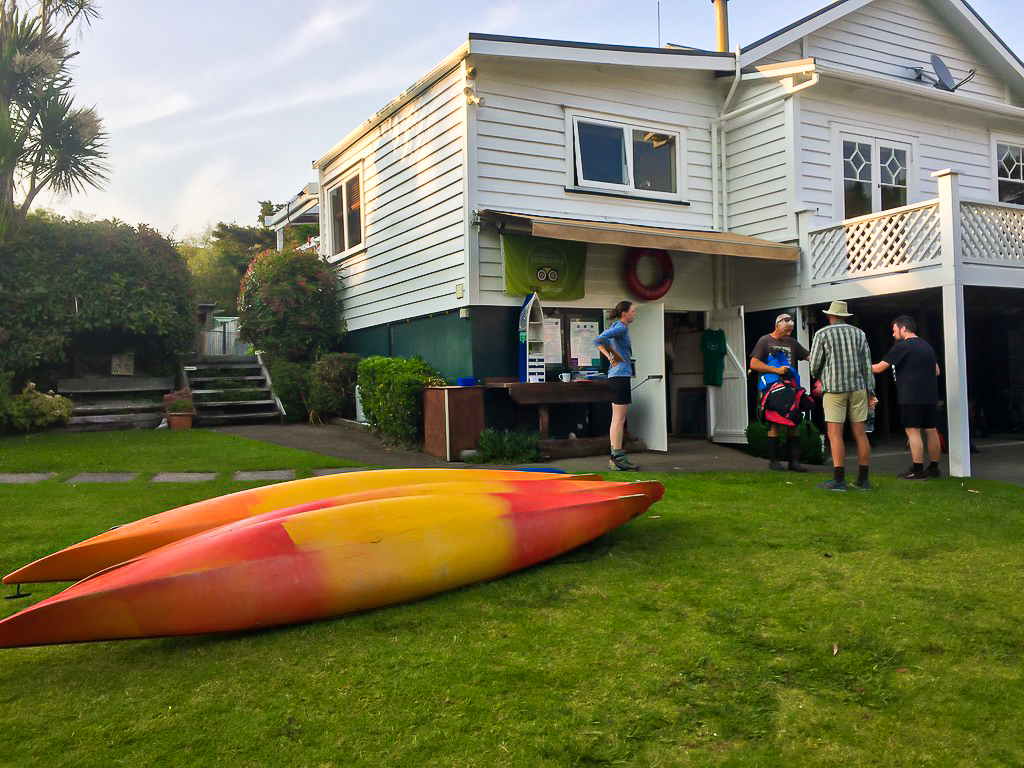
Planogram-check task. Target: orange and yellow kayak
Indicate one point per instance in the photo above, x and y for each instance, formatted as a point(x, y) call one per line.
point(128, 541)
point(284, 567)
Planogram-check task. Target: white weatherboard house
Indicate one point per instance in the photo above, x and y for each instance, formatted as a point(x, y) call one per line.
point(834, 159)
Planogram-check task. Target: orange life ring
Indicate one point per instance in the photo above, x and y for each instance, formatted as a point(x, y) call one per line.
point(659, 289)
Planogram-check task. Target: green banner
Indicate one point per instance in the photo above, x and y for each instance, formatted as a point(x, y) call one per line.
point(554, 269)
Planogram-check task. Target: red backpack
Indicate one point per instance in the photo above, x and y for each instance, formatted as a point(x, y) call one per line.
point(785, 401)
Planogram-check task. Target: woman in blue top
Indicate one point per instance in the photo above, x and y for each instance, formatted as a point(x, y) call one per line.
point(615, 344)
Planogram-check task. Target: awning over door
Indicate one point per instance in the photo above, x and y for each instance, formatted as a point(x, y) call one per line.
point(633, 236)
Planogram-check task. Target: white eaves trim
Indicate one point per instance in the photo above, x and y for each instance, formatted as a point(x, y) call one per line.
point(527, 48)
point(395, 104)
point(928, 94)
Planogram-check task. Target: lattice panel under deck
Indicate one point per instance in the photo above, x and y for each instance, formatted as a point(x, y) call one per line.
point(885, 243)
point(992, 234)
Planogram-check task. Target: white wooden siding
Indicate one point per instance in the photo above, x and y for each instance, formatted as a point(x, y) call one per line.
point(521, 151)
point(941, 142)
point(888, 37)
point(413, 193)
point(759, 174)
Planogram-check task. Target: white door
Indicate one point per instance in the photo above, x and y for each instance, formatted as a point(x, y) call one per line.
point(728, 403)
point(647, 418)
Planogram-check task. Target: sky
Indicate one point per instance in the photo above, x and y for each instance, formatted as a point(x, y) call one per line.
point(213, 105)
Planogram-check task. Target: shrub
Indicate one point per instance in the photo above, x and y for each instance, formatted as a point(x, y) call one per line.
point(33, 410)
point(503, 447)
point(391, 389)
point(67, 284)
point(332, 386)
point(179, 402)
point(289, 305)
point(290, 382)
point(811, 451)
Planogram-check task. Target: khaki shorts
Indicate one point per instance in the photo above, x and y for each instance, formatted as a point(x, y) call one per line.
point(840, 404)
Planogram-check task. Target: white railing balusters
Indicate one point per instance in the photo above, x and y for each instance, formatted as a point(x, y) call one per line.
point(993, 233)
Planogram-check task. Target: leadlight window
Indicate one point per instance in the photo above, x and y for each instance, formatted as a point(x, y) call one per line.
point(875, 176)
point(1010, 173)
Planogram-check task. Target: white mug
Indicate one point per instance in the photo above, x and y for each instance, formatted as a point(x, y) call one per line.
point(565, 376)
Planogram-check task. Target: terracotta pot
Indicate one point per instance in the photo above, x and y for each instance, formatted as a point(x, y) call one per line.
point(180, 420)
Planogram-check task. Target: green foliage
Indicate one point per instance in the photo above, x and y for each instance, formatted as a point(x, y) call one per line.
point(33, 410)
point(811, 451)
point(503, 447)
point(391, 390)
point(179, 402)
point(104, 285)
point(332, 387)
point(237, 246)
point(290, 382)
point(290, 306)
point(45, 140)
point(214, 278)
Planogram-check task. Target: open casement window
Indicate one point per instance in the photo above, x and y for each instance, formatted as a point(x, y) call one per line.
point(346, 215)
point(1010, 172)
point(627, 159)
point(876, 175)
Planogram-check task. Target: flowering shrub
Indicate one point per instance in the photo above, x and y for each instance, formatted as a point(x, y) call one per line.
point(289, 305)
point(32, 410)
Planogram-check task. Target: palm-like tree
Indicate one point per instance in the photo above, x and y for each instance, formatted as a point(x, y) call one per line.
point(45, 140)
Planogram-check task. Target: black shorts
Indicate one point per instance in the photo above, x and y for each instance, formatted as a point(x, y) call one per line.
point(917, 416)
point(620, 387)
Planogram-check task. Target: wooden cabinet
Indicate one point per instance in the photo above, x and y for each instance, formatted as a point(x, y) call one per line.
point(453, 418)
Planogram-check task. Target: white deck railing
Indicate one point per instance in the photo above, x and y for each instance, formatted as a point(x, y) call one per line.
point(992, 233)
point(897, 240)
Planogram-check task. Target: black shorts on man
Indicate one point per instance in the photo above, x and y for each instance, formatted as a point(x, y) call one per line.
point(620, 387)
point(918, 416)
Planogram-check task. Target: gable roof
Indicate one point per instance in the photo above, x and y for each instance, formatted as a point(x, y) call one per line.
point(961, 17)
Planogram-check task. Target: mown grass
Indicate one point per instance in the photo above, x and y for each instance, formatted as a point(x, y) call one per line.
point(747, 620)
point(161, 450)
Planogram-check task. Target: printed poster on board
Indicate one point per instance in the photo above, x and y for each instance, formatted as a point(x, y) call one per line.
point(553, 269)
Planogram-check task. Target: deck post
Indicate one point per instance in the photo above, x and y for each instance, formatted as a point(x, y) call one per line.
point(954, 329)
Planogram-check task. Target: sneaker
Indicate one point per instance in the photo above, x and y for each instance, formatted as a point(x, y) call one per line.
point(858, 486)
point(832, 485)
point(933, 472)
point(621, 464)
point(912, 474)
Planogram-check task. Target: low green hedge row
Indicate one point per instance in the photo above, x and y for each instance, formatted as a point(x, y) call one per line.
point(391, 391)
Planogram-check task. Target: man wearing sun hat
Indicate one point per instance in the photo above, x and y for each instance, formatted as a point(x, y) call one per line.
point(772, 356)
point(841, 359)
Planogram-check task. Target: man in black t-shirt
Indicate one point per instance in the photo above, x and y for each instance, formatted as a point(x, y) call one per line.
point(772, 355)
point(916, 369)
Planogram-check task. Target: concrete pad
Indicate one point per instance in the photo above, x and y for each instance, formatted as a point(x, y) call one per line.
point(265, 474)
point(337, 471)
point(24, 478)
point(103, 477)
point(184, 477)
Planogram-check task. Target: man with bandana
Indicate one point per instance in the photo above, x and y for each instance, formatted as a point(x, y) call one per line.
point(772, 355)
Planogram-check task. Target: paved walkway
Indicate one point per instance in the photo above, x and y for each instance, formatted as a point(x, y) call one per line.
point(998, 458)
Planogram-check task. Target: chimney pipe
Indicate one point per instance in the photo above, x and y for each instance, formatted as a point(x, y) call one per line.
point(722, 25)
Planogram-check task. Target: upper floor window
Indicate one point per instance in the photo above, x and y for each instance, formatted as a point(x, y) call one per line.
point(1010, 172)
point(346, 214)
point(627, 159)
point(876, 175)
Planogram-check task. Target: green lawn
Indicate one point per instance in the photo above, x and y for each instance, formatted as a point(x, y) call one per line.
point(747, 620)
point(150, 451)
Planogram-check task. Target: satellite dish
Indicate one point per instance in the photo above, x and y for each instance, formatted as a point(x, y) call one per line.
point(946, 81)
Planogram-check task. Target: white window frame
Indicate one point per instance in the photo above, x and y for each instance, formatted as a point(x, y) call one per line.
point(574, 159)
point(339, 188)
point(995, 141)
point(870, 135)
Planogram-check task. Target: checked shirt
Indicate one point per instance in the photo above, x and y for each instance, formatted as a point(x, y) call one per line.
point(840, 357)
